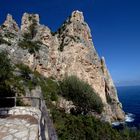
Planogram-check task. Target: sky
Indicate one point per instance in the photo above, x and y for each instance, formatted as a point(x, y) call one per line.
point(115, 28)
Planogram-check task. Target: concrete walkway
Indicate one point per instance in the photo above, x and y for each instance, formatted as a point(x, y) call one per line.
point(19, 127)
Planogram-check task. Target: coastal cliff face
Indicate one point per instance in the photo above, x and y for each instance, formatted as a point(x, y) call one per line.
point(69, 51)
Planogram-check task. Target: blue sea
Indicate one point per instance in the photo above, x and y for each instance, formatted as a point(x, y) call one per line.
point(129, 96)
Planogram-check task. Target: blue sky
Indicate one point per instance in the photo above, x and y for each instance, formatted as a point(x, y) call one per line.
point(115, 27)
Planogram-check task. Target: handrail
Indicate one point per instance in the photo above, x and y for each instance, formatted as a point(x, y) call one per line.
point(17, 97)
point(44, 114)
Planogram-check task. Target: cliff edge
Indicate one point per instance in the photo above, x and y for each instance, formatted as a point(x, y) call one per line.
point(69, 51)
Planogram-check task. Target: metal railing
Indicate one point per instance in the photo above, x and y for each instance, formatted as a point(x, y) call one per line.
point(15, 101)
point(48, 124)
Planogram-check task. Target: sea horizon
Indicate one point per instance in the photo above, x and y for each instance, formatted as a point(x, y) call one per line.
point(132, 85)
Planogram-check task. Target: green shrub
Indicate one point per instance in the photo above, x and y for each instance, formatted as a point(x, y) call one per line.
point(81, 93)
point(30, 81)
point(30, 45)
point(80, 127)
point(7, 78)
point(5, 67)
point(8, 35)
point(27, 43)
point(25, 70)
point(49, 88)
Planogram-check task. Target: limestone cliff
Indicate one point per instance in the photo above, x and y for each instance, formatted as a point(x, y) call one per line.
point(69, 51)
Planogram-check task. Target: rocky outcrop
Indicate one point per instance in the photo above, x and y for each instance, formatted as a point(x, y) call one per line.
point(70, 51)
point(10, 24)
point(65, 105)
point(28, 23)
point(114, 107)
point(9, 31)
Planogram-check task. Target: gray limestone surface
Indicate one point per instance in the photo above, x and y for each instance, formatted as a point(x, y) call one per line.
point(20, 127)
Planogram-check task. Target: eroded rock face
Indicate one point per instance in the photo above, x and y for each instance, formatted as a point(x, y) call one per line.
point(9, 30)
point(44, 35)
point(27, 21)
point(69, 52)
point(10, 24)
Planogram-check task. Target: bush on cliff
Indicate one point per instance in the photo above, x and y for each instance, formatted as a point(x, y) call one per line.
point(5, 67)
point(3, 41)
point(27, 42)
point(5, 76)
point(30, 45)
point(81, 93)
point(81, 127)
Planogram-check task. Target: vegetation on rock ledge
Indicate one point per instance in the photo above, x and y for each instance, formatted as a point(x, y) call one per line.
point(82, 95)
point(81, 127)
point(30, 45)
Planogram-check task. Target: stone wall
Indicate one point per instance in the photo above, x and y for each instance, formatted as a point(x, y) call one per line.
point(31, 111)
point(34, 112)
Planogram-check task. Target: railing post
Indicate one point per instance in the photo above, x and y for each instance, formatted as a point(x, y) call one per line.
point(15, 99)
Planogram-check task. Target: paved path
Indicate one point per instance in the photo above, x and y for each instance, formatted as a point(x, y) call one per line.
point(19, 127)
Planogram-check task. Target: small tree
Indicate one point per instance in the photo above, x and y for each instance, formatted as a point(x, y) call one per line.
point(5, 67)
point(30, 45)
point(5, 76)
point(82, 94)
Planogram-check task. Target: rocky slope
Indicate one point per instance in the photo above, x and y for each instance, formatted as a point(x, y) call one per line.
point(69, 51)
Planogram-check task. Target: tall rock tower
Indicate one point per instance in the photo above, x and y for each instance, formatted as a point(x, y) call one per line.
point(70, 51)
point(79, 57)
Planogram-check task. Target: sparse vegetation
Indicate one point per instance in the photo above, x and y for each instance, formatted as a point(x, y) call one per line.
point(49, 86)
point(9, 35)
point(9, 83)
point(6, 36)
point(27, 42)
point(72, 38)
point(61, 47)
point(30, 45)
point(5, 76)
point(32, 29)
point(5, 67)
point(3, 41)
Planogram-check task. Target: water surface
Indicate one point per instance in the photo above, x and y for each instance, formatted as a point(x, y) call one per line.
point(129, 96)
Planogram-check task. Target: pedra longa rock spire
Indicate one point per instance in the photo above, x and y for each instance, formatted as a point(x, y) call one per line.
point(69, 51)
